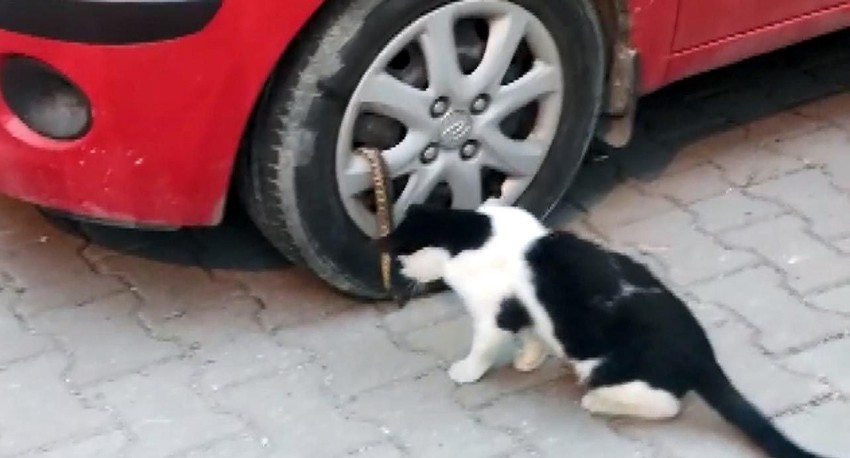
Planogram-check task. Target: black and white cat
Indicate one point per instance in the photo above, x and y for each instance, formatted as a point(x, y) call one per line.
point(633, 343)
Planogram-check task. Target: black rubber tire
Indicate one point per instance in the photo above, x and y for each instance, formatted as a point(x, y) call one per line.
point(287, 173)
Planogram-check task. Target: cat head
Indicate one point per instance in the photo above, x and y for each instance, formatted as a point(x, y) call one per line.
point(428, 237)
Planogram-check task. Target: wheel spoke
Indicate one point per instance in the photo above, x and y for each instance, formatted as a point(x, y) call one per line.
point(514, 157)
point(506, 33)
point(541, 80)
point(464, 180)
point(419, 187)
point(400, 159)
point(440, 49)
point(386, 95)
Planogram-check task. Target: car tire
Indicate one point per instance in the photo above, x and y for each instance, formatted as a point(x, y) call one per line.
point(287, 174)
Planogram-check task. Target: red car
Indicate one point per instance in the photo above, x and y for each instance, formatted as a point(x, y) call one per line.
point(146, 112)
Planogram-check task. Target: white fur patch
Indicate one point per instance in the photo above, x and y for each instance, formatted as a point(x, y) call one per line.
point(634, 399)
point(584, 368)
point(425, 265)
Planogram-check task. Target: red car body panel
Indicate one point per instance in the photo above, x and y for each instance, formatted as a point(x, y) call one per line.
point(168, 116)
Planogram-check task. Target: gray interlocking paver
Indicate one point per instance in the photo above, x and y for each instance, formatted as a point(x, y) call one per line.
point(696, 184)
point(835, 109)
point(241, 447)
point(688, 254)
point(168, 290)
point(732, 209)
point(106, 338)
point(624, 205)
point(824, 361)
point(37, 408)
point(107, 445)
point(424, 418)
point(821, 429)
point(783, 319)
point(351, 342)
point(17, 342)
point(836, 300)
point(162, 411)
point(297, 417)
point(809, 263)
point(810, 194)
point(550, 418)
point(828, 149)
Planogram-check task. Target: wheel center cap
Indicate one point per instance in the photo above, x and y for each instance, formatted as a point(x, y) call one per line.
point(455, 128)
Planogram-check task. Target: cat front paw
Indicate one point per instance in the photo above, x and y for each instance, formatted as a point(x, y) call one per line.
point(463, 372)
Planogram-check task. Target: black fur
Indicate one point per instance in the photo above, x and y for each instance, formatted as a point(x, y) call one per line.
point(644, 333)
point(513, 316)
point(606, 305)
point(425, 226)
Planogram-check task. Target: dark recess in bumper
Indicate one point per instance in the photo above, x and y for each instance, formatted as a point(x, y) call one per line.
point(108, 22)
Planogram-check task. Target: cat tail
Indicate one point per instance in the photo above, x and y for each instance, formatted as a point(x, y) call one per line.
point(717, 390)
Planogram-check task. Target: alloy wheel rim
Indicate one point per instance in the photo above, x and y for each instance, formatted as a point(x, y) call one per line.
point(465, 103)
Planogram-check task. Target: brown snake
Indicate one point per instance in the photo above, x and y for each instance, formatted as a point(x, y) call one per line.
point(383, 203)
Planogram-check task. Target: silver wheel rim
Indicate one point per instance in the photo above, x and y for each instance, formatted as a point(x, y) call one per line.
point(454, 137)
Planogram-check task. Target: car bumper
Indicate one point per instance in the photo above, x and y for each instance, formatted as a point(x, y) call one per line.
point(167, 111)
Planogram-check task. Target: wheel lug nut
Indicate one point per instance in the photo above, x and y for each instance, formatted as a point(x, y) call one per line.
point(439, 107)
point(429, 154)
point(480, 104)
point(469, 150)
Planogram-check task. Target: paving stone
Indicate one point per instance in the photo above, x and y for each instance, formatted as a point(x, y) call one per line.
point(843, 245)
point(246, 357)
point(37, 409)
point(783, 320)
point(828, 149)
point(624, 205)
point(506, 380)
point(768, 384)
point(781, 127)
point(423, 312)
point(162, 410)
point(698, 183)
point(810, 194)
point(378, 451)
point(297, 416)
point(551, 419)
point(447, 341)
point(215, 324)
point(698, 432)
point(169, 290)
point(809, 263)
point(17, 343)
point(53, 275)
point(347, 343)
point(106, 338)
point(688, 254)
point(836, 300)
point(703, 150)
point(421, 414)
point(822, 429)
point(821, 361)
point(835, 109)
point(732, 209)
point(749, 164)
point(242, 447)
point(107, 445)
point(291, 296)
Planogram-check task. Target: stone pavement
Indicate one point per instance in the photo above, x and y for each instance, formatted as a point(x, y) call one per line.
point(206, 344)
